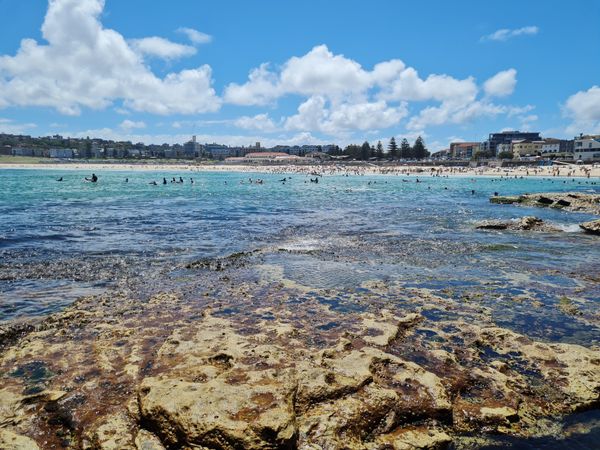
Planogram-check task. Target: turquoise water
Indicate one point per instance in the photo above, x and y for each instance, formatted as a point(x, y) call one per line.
point(61, 240)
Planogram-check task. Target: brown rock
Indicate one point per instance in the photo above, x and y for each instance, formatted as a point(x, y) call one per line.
point(592, 227)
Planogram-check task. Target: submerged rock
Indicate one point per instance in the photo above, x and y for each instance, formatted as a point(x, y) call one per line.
point(592, 227)
point(527, 223)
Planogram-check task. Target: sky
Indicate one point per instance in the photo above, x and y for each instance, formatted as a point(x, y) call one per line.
point(299, 72)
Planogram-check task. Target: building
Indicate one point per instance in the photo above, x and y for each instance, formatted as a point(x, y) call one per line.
point(504, 149)
point(219, 151)
point(587, 148)
point(18, 151)
point(62, 153)
point(506, 137)
point(557, 148)
point(464, 150)
point(192, 149)
point(526, 147)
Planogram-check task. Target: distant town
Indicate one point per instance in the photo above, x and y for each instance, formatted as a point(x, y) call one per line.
point(513, 146)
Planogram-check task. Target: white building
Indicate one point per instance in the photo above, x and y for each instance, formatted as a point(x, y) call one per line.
point(587, 148)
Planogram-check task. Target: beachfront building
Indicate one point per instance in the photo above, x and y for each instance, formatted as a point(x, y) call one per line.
point(506, 137)
point(526, 147)
point(587, 148)
point(557, 148)
point(464, 150)
point(504, 148)
point(62, 153)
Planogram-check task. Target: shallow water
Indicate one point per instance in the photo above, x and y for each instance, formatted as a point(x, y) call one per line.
point(60, 240)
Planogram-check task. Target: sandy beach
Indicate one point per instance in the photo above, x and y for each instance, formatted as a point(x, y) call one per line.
point(567, 170)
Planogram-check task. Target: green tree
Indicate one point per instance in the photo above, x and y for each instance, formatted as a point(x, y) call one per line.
point(379, 150)
point(419, 149)
point(405, 149)
point(365, 153)
point(505, 155)
point(393, 148)
point(353, 150)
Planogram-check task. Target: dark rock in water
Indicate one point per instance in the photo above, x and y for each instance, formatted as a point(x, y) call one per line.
point(492, 225)
point(545, 200)
point(504, 200)
point(527, 223)
point(593, 226)
point(561, 202)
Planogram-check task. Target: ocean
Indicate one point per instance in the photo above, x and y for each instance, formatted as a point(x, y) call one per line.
point(318, 257)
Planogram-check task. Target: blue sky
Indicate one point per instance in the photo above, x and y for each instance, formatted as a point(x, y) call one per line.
point(298, 72)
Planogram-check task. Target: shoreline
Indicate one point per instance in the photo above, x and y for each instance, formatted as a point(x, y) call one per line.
point(572, 171)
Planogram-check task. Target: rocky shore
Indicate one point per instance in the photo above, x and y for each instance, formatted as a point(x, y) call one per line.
point(114, 372)
point(568, 201)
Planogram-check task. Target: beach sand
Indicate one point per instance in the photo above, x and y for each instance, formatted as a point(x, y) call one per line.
point(567, 170)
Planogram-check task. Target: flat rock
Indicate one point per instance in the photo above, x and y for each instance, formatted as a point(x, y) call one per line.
point(569, 201)
point(10, 440)
point(527, 223)
point(592, 227)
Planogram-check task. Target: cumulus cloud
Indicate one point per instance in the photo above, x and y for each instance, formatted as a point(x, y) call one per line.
point(259, 122)
point(86, 65)
point(501, 84)
point(9, 126)
point(338, 119)
point(460, 114)
point(584, 108)
point(195, 36)
point(161, 48)
point(130, 124)
point(505, 34)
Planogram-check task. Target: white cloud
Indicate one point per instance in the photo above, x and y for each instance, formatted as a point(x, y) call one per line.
point(84, 65)
point(231, 140)
point(462, 113)
point(195, 36)
point(501, 84)
point(339, 119)
point(261, 88)
point(161, 48)
point(584, 108)
point(505, 34)
point(130, 124)
point(260, 122)
point(8, 126)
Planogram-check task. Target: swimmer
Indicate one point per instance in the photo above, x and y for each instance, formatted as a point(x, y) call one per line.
point(94, 178)
point(60, 179)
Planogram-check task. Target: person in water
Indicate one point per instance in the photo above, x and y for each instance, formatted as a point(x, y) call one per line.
point(94, 178)
point(164, 180)
point(60, 179)
point(153, 183)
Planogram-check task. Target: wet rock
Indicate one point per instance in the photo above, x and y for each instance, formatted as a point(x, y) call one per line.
point(592, 227)
point(527, 223)
point(504, 200)
point(569, 201)
point(10, 440)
